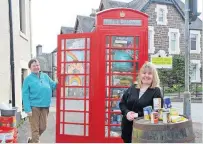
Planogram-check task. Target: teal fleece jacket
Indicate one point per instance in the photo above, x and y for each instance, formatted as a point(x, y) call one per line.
point(37, 91)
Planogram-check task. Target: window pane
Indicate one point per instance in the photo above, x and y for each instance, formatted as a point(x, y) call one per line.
point(75, 43)
point(194, 36)
point(76, 105)
point(194, 72)
point(193, 39)
point(122, 42)
point(149, 39)
point(193, 45)
point(161, 15)
point(75, 68)
point(137, 41)
point(122, 66)
point(61, 128)
point(74, 117)
point(76, 92)
point(161, 19)
point(75, 56)
point(71, 129)
point(173, 45)
point(173, 36)
point(122, 80)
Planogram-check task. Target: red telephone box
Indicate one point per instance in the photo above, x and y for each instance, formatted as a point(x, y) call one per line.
point(93, 71)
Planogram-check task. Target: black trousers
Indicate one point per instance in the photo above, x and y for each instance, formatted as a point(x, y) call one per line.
point(126, 127)
point(127, 140)
point(127, 134)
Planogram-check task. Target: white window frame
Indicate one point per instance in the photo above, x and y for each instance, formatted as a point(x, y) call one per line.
point(198, 49)
point(157, 10)
point(151, 41)
point(177, 49)
point(198, 64)
point(22, 16)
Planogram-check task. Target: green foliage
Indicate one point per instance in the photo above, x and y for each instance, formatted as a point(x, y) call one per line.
point(175, 77)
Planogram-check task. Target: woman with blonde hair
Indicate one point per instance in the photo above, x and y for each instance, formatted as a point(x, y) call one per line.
point(137, 97)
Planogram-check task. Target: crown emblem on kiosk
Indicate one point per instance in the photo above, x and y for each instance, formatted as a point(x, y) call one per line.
point(122, 14)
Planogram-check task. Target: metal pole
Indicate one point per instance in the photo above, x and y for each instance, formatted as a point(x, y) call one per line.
point(187, 95)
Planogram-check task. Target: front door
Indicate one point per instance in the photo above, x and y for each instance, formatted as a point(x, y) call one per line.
point(73, 91)
point(121, 56)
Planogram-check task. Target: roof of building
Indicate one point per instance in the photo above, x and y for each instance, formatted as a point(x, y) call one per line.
point(66, 30)
point(45, 62)
point(142, 5)
point(84, 24)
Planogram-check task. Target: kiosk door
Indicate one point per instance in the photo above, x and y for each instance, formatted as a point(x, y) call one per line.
point(122, 55)
point(73, 92)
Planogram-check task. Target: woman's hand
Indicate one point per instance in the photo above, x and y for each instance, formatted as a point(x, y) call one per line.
point(131, 115)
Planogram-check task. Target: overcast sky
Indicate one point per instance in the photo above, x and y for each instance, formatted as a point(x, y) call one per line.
point(49, 15)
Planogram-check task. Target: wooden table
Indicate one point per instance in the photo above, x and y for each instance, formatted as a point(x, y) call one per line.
point(146, 132)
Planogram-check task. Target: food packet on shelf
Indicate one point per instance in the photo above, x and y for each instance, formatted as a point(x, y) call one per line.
point(183, 119)
point(173, 112)
point(176, 119)
point(160, 111)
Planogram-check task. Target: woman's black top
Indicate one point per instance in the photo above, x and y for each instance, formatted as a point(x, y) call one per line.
point(131, 102)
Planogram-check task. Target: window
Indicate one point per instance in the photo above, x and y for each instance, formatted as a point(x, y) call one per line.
point(161, 15)
point(193, 38)
point(195, 41)
point(195, 71)
point(151, 47)
point(174, 41)
point(22, 15)
point(161, 11)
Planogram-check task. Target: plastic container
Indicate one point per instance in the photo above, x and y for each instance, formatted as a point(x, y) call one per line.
point(8, 134)
point(15, 140)
point(9, 113)
point(7, 121)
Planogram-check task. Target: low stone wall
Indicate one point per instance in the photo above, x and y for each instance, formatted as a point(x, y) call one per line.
point(193, 100)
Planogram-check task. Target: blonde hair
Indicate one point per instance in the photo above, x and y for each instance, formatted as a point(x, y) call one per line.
point(155, 81)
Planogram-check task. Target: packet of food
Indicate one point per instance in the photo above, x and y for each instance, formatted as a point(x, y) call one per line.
point(173, 112)
point(160, 114)
point(175, 119)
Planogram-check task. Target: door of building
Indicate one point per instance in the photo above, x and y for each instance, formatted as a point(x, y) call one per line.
point(120, 56)
point(73, 112)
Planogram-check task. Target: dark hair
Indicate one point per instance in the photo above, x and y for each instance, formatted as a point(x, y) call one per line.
point(31, 62)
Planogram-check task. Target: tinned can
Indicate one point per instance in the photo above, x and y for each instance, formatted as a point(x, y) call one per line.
point(146, 115)
point(166, 117)
point(154, 117)
point(147, 111)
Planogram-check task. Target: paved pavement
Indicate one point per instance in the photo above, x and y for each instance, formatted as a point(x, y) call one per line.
point(49, 134)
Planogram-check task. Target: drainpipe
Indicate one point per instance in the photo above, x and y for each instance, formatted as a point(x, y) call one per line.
point(30, 21)
point(12, 66)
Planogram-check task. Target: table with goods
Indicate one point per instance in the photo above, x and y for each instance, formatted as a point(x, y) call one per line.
point(162, 125)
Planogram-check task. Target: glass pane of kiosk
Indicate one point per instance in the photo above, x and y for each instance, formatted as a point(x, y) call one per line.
point(74, 105)
point(122, 61)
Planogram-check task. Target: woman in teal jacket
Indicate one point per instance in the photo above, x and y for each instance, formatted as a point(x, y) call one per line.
point(37, 93)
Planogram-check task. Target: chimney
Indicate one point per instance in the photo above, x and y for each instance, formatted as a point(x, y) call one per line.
point(38, 50)
point(93, 14)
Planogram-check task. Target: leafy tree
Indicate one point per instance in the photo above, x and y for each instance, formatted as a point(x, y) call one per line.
point(174, 77)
